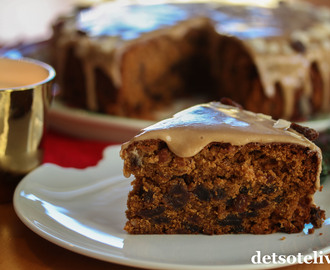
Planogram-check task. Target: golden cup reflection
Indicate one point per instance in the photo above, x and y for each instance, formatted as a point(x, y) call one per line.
point(25, 97)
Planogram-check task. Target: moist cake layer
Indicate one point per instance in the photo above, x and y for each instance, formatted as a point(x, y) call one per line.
point(255, 188)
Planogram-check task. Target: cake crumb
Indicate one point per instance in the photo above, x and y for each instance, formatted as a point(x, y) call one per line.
point(283, 238)
point(311, 231)
point(320, 234)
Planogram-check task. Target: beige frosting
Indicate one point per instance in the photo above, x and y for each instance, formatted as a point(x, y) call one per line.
point(189, 131)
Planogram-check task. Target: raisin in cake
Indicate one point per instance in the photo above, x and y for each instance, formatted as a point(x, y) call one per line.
point(132, 60)
point(219, 169)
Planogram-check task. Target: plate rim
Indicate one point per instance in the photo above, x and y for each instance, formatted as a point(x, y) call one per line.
point(63, 117)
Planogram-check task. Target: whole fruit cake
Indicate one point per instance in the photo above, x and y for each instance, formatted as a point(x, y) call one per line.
point(136, 59)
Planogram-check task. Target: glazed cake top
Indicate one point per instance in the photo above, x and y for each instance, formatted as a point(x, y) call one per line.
point(190, 130)
point(130, 21)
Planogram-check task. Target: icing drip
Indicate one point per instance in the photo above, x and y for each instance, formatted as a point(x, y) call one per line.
point(189, 131)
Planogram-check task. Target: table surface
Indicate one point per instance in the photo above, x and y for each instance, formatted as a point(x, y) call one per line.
point(20, 248)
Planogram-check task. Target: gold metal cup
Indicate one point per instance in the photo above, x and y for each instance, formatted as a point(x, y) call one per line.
point(25, 97)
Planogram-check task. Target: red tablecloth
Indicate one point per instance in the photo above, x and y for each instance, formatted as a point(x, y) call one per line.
point(67, 151)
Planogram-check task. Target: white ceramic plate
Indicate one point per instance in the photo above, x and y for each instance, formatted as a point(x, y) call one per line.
point(89, 125)
point(84, 211)
point(84, 124)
